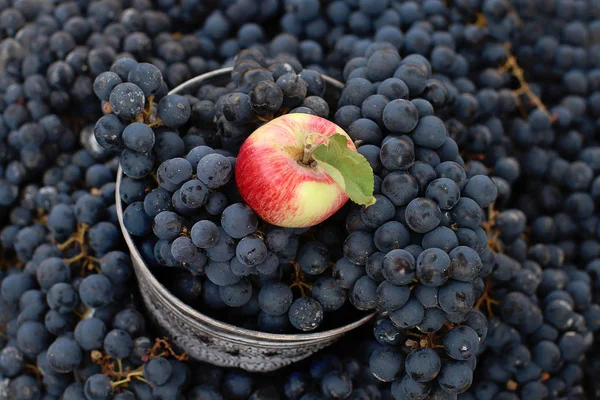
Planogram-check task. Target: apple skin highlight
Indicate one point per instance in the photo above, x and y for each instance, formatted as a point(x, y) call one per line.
point(276, 184)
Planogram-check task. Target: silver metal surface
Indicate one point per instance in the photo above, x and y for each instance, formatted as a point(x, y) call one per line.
point(207, 339)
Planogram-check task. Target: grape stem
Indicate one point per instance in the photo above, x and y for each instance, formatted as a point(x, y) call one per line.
point(298, 280)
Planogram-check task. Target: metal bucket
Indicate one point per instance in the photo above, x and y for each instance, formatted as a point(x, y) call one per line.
point(209, 340)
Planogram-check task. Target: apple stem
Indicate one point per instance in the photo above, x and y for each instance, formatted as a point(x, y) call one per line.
point(307, 155)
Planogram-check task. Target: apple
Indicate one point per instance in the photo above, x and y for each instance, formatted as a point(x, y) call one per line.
point(278, 178)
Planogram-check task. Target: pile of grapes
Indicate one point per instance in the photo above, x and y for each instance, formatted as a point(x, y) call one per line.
point(474, 241)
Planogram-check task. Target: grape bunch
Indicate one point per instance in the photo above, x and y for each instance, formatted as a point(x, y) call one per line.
point(547, 317)
point(422, 245)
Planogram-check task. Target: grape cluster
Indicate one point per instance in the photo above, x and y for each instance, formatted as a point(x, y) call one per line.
point(422, 245)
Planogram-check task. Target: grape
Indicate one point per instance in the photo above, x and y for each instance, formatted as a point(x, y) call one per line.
point(214, 170)
point(237, 294)
point(251, 251)
point(455, 377)
point(238, 220)
point(96, 291)
point(456, 297)
point(168, 225)
point(409, 315)
point(24, 387)
point(433, 267)
point(423, 365)
point(62, 297)
point(313, 258)
point(266, 98)
point(445, 192)
point(306, 314)
point(220, 273)
point(147, 76)
point(205, 234)
point(398, 267)
point(481, 189)
point(90, 333)
point(32, 338)
point(174, 110)
point(441, 237)
point(118, 344)
point(391, 235)
point(364, 294)
point(277, 240)
point(51, 271)
point(136, 221)
point(400, 188)
point(127, 100)
point(224, 249)
point(397, 154)
point(275, 298)
point(116, 265)
point(430, 132)
point(400, 116)
point(391, 297)
point(138, 137)
point(432, 321)
point(386, 364)
point(329, 293)
point(461, 343)
point(358, 246)
point(346, 273)
point(98, 387)
point(157, 371)
point(336, 385)
point(173, 173)
point(12, 361)
point(465, 264)
point(64, 355)
point(105, 83)
point(422, 215)
point(378, 213)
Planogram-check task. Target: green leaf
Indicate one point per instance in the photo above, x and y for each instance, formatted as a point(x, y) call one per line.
point(348, 168)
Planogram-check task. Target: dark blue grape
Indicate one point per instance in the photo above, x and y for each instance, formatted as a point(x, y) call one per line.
point(433, 267)
point(306, 314)
point(98, 387)
point(423, 365)
point(90, 333)
point(62, 297)
point(455, 377)
point(96, 291)
point(127, 100)
point(465, 264)
point(409, 315)
point(238, 220)
point(174, 110)
point(275, 298)
point(444, 192)
point(157, 371)
point(138, 137)
point(313, 258)
point(461, 343)
point(329, 293)
point(392, 297)
point(386, 364)
point(147, 77)
point(399, 267)
point(64, 355)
